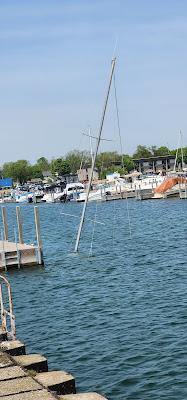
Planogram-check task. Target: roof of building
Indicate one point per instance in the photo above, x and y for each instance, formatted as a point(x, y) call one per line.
point(154, 158)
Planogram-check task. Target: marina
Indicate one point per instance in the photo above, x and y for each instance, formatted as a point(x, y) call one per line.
point(134, 289)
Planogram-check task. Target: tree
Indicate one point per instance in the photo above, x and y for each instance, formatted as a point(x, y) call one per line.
point(59, 167)
point(162, 151)
point(107, 158)
point(77, 158)
point(19, 170)
point(128, 162)
point(43, 164)
point(142, 152)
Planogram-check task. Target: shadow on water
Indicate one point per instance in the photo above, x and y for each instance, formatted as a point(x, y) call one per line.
point(115, 313)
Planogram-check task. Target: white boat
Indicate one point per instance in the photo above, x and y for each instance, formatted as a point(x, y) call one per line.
point(71, 191)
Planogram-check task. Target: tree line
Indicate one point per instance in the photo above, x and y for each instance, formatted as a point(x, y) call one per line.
point(22, 170)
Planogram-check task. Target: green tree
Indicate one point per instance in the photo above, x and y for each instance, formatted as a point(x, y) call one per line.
point(142, 152)
point(77, 158)
point(59, 167)
point(19, 170)
point(43, 164)
point(162, 151)
point(107, 158)
point(128, 162)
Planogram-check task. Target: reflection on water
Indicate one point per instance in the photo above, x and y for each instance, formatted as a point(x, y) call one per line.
point(116, 320)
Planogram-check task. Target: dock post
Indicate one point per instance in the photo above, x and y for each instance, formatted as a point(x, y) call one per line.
point(19, 223)
point(38, 235)
point(5, 226)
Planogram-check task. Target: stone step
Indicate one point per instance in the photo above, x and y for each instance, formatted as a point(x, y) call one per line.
point(5, 360)
point(18, 385)
point(11, 373)
point(13, 347)
point(59, 381)
point(36, 362)
point(83, 396)
point(3, 335)
point(33, 395)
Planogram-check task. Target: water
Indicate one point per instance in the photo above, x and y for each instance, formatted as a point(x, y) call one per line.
point(116, 320)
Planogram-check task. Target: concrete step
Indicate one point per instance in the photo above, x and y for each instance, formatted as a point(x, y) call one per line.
point(13, 347)
point(11, 373)
point(18, 385)
point(3, 335)
point(5, 360)
point(59, 381)
point(83, 396)
point(33, 395)
point(36, 362)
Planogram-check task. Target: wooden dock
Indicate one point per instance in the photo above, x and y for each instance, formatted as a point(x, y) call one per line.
point(18, 254)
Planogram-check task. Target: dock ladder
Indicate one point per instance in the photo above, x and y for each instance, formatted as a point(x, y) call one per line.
point(7, 316)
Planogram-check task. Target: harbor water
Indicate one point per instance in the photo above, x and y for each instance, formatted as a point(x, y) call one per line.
point(114, 315)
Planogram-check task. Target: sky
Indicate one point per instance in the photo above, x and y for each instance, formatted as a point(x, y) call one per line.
point(54, 70)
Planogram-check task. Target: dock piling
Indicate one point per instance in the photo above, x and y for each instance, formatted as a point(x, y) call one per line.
point(19, 223)
point(5, 225)
point(38, 234)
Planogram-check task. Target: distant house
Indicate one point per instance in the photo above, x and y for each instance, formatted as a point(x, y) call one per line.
point(84, 174)
point(155, 164)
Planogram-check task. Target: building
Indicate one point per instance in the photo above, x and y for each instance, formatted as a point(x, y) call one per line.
point(84, 174)
point(155, 164)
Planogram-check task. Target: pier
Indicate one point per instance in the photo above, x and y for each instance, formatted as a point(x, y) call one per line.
point(19, 254)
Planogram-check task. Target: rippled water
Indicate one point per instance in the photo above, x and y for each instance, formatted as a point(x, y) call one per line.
point(117, 320)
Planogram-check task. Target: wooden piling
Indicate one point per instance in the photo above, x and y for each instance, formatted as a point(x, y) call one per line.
point(19, 223)
point(38, 234)
point(5, 225)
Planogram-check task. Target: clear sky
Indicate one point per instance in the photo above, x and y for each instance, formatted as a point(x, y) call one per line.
point(54, 67)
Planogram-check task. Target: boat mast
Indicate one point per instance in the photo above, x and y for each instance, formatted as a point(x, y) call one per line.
point(94, 159)
point(182, 155)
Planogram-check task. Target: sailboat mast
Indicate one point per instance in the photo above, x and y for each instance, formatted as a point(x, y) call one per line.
point(182, 155)
point(94, 159)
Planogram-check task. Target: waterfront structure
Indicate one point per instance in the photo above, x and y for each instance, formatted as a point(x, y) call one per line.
point(155, 164)
point(17, 253)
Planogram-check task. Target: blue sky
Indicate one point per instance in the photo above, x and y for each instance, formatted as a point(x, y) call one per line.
point(55, 62)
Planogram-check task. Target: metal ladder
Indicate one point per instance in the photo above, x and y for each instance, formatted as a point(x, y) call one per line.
point(7, 313)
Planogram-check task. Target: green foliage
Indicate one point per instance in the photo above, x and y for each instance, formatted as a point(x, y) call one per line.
point(145, 152)
point(77, 158)
point(161, 151)
point(142, 152)
point(106, 159)
point(59, 167)
point(19, 170)
point(43, 164)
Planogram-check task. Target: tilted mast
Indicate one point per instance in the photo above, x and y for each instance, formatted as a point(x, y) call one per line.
point(94, 159)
